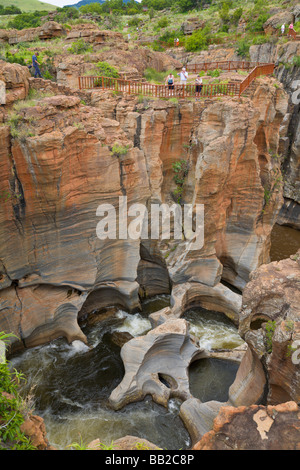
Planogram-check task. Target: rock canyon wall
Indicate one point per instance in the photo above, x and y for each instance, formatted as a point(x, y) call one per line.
point(59, 163)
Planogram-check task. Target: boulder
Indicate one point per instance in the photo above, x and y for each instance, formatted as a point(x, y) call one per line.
point(34, 428)
point(274, 22)
point(254, 428)
point(16, 80)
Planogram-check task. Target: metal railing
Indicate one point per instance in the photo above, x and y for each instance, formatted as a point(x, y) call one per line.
point(258, 71)
point(157, 91)
point(230, 65)
point(292, 33)
point(183, 91)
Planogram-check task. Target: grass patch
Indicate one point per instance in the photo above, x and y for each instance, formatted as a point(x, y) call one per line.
point(80, 47)
point(29, 5)
point(153, 76)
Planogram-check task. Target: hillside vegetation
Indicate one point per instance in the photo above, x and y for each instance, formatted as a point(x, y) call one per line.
point(28, 5)
point(156, 23)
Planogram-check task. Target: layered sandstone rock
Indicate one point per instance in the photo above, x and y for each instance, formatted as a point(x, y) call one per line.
point(48, 30)
point(16, 80)
point(60, 166)
point(91, 33)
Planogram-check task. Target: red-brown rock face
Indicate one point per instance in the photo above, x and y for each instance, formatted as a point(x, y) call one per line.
point(62, 164)
point(254, 428)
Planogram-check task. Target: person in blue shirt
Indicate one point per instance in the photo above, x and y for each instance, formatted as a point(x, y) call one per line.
point(35, 64)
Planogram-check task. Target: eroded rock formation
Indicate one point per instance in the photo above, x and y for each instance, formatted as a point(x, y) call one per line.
point(157, 364)
point(16, 82)
point(269, 322)
point(254, 428)
point(49, 30)
point(59, 166)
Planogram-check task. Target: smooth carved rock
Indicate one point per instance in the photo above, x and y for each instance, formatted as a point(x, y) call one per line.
point(269, 323)
point(218, 298)
point(254, 428)
point(151, 361)
point(290, 214)
point(40, 314)
point(198, 417)
point(249, 384)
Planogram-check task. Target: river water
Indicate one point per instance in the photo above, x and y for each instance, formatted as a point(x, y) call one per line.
point(71, 383)
point(285, 241)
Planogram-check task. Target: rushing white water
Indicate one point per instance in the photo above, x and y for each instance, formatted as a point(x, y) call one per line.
point(72, 383)
point(213, 330)
point(135, 324)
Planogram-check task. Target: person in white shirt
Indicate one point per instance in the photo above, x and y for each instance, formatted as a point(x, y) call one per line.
point(282, 29)
point(183, 76)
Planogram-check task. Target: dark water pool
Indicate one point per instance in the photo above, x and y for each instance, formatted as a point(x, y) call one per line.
point(71, 385)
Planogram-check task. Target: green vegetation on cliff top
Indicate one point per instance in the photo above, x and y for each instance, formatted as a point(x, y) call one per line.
point(28, 5)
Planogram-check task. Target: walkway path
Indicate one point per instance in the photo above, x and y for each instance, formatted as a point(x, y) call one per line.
point(184, 91)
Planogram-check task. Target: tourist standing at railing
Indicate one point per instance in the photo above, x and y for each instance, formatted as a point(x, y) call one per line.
point(170, 83)
point(199, 86)
point(183, 76)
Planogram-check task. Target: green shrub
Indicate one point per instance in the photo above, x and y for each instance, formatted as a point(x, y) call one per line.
point(236, 15)
point(10, 10)
point(296, 60)
point(119, 150)
point(242, 48)
point(107, 70)
point(156, 46)
point(257, 23)
point(135, 21)
point(214, 73)
point(11, 409)
point(180, 169)
point(196, 41)
point(169, 36)
point(270, 329)
point(260, 39)
point(80, 47)
point(163, 22)
point(63, 15)
point(47, 75)
point(26, 20)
